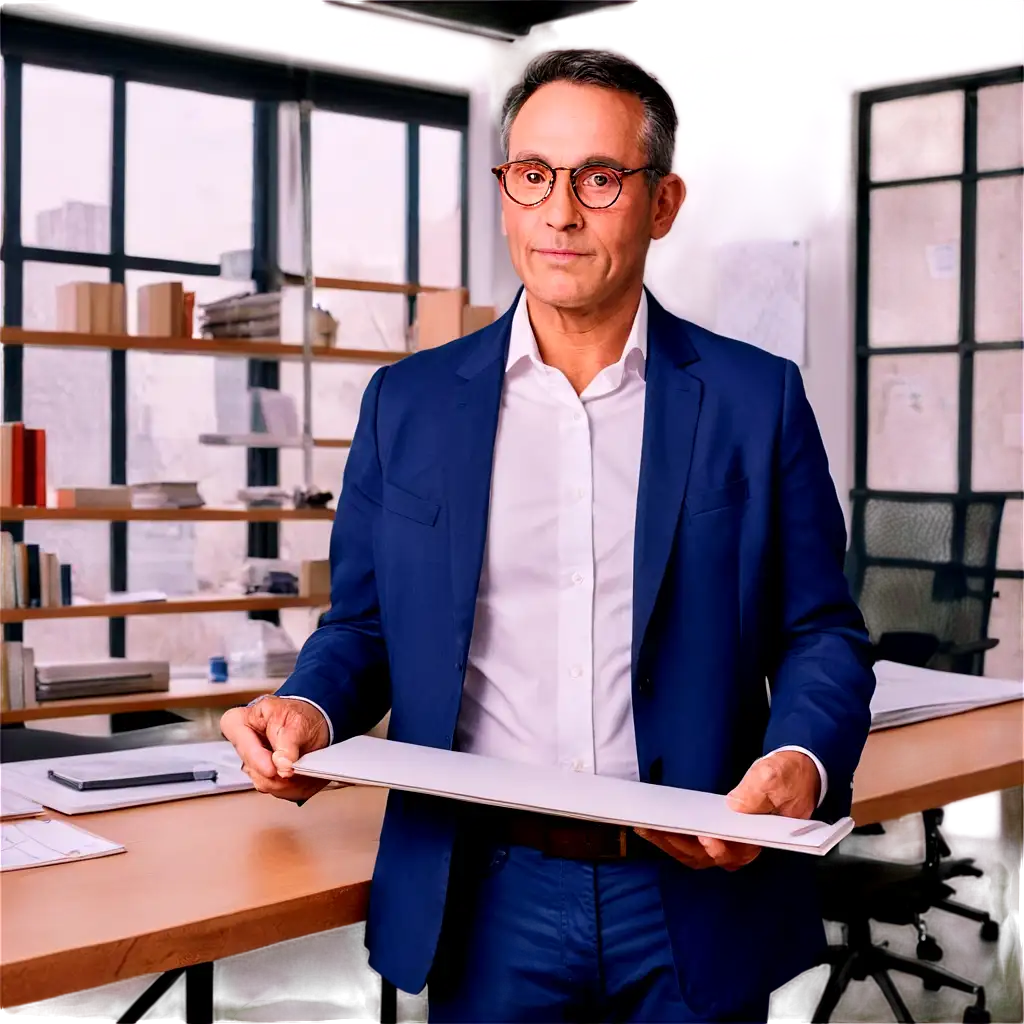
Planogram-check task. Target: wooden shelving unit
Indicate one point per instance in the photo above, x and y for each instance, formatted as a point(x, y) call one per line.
point(21, 514)
point(172, 606)
point(241, 347)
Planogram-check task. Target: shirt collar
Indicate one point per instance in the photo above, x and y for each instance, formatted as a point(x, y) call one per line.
point(522, 343)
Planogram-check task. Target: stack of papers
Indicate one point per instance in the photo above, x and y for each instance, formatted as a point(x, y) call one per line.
point(13, 806)
point(166, 494)
point(905, 694)
point(31, 778)
point(31, 844)
point(484, 780)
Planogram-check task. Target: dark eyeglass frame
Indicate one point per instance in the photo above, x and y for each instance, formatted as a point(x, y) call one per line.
point(621, 174)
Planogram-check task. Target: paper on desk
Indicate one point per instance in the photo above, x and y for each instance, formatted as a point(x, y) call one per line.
point(30, 844)
point(485, 780)
point(28, 778)
point(905, 694)
point(12, 805)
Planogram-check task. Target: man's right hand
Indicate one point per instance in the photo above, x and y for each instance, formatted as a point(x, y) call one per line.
point(269, 737)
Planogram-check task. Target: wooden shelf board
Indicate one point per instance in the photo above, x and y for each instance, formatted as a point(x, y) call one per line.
point(242, 347)
point(172, 606)
point(184, 693)
point(269, 441)
point(18, 514)
point(348, 284)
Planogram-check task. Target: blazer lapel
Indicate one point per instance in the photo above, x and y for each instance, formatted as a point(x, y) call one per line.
point(473, 424)
point(671, 410)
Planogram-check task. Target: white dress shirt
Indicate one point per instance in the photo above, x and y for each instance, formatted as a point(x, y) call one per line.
point(548, 679)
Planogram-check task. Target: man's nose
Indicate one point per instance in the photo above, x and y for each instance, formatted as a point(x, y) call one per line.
point(561, 207)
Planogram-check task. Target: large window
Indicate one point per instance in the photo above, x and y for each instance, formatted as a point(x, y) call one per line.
point(135, 162)
point(939, 311)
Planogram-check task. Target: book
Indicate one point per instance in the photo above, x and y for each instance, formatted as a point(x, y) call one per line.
point(5, 679)
point(14, 659)
point(34, 590)
point(28, 677)
point(65, 585)
point(94, 497)
point(21, 574)
point(12, 463)
point(8, 588)
point(6, 465)
point(53, 568)
point(34, 470)
point(471, 778)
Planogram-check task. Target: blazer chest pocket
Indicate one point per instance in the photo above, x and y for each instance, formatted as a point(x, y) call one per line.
point(402, 503)
point(712, 499)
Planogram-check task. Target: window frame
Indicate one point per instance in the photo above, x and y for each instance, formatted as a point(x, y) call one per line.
point(31, 41)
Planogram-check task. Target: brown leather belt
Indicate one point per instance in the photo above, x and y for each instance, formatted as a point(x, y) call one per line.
point(568, 838)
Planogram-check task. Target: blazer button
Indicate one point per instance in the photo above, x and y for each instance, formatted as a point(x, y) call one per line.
point(645, 686)
point(656, 771)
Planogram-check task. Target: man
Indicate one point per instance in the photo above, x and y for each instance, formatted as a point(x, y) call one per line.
point(585, 536)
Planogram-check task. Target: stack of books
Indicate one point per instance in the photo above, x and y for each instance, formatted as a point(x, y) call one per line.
point(22, 465)
point(30, 577)
point(112, 676)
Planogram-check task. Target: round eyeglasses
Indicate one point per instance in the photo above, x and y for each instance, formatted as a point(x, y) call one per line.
point(596, 186)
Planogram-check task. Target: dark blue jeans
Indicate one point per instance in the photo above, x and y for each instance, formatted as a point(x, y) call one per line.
point(532, 938)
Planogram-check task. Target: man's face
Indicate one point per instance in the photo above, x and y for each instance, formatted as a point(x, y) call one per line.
point(567, 255)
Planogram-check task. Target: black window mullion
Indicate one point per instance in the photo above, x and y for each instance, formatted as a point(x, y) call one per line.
point(412, 211)
point(13, 270)
point(118, 361)
point(263, 464)
point(464, 203)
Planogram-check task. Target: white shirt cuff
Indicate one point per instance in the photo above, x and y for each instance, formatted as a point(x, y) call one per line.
point(822, 774)
point(330, 728)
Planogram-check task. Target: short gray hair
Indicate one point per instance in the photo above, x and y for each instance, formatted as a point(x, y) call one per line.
point(611, 71)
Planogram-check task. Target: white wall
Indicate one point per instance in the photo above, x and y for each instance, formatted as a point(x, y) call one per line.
point(766, 96)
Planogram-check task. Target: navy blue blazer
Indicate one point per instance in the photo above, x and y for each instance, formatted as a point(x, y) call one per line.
point(738, 579)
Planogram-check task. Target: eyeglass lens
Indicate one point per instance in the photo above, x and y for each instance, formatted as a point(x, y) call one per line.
point(595, 186)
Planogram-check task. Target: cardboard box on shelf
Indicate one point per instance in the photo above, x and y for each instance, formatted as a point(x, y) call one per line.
point(475, 317)
point(315, 578)
point(161, 310)
point(90, 307)
point(439, 317)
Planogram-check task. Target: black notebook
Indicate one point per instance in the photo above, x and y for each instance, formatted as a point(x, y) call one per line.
point(125, 774)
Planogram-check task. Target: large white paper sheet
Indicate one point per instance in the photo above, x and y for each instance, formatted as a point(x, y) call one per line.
point(31, 844)
point(905, 694)
point(762, 296)
point(485, 780)
point(28, 778)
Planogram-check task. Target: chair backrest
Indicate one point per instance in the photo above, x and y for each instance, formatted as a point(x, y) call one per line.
point(926, 566)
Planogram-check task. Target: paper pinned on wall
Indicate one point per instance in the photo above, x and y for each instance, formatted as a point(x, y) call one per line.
point(943, 260)
point(762, 296)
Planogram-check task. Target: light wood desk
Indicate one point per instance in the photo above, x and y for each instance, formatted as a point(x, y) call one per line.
point(201, 879)
point(212, 877)
point(930, 764)
point(184, 693)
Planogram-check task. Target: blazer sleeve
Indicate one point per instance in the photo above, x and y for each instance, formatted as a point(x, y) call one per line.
point(343, 666)
point(819, 670)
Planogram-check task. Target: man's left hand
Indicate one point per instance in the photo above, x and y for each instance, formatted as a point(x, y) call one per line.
point(786, 782)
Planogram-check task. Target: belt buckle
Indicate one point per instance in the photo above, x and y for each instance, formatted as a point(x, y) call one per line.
point(614, 850)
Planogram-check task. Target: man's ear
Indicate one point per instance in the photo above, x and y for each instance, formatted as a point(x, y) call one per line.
point(669, 196)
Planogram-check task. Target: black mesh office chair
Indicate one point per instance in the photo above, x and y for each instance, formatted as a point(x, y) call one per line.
point(922, 572)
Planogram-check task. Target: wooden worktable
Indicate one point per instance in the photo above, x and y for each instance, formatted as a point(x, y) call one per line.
point(184, 693)
point(208, 878)
point(201, 879)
